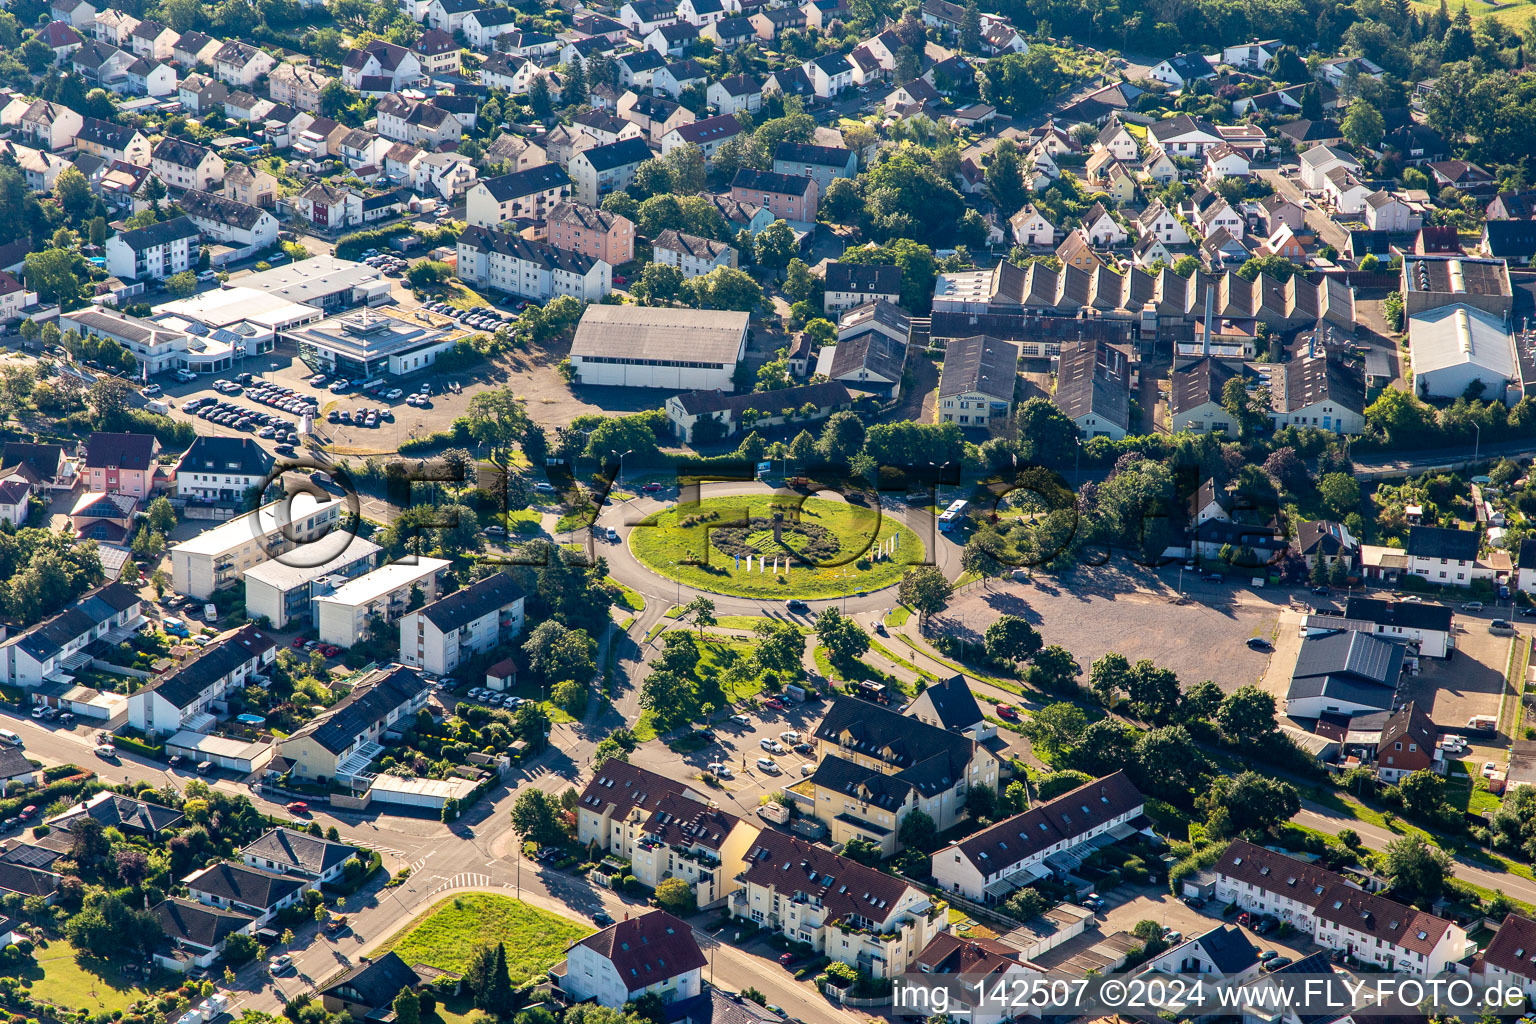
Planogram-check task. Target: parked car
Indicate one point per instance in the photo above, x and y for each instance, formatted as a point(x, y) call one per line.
point(741, 719)
point(280, 963)
point(1258, 643)
point(602, 919)
point(1472, 606)
point(298, 807)
point(765, 764)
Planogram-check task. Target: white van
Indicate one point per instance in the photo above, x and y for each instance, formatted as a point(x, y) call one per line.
point(6, 736)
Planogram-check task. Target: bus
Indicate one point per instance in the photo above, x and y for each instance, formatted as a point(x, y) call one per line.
point(953, 516)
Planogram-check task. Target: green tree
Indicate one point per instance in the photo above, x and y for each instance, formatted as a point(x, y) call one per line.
point(1340, 492)
point(1423, 792)
point(925, 590)
point(1109, 676)
point(970, 28)
point(660, 283)
point(1011, 639)
point(918, 831)
point(1005, 179)
point(1250, 802)
point(703, 611)
point(776, 245)
point(536, 818)
point(1054, 669)
point(73, 193)
point(844, 639)
point(676, 896)
point(1416, 869)
point(1247, 714)
point(1056, 730)
point(1203, 700)
point(558, 653)
point(181, 285)
point(1363, 126)
point(407, 1006)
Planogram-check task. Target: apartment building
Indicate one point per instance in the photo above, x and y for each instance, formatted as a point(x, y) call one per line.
point(342, 616)
point(869, 920)
point(529, 194)
point(216, 558)
point(181, 164)
point(509, 263)
point(601, 170)
point(155, 251)
point(664, 830)
point(437, 637)
point(1012, 853)
point(1337, 913)
point(877, 766)
point(690, 254)
point(184, 698)
point(283, 593)
point(45, 652)
point(344, 739)
point(600, 234)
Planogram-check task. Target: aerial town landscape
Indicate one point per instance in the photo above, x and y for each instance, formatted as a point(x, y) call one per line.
point(766, 512)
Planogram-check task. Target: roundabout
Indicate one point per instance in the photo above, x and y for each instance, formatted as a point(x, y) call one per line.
point(775, 546)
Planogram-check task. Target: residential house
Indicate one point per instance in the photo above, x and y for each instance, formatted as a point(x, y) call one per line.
point(1182, 70)
point(259, 894)
point(230, 221)
point(417, 122)
point(1318, 391)
point(240, 65)
point(654, 954)
point(596, 172)
point(442, 634)
point(37, 654)
point(132, 817)
point(730, 412)
point(118, 463)
point(482, 25)
point(251, 187)
point(676, 78)
point(298, 85)
point(193, 49)
point(369, 989)
point(49, 126)
point(149, 38)
point(182, 165)
point(195, 934)
point(768, 23)
point(200, 94)
point(287, 851)
point(437, 53)
point(822, 164)
point(217, 468)
point(709, 134)
point(736, 94)
point(396, 65)
point(672, 40)
point(853, 284)
point(691, 255)
point(112, 142)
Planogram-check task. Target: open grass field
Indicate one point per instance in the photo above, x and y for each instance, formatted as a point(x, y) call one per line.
point(451, 930)
point(66, 977)
point(697, 544)
point(1516, 14)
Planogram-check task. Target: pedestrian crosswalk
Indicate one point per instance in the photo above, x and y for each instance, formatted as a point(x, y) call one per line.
point(465, 880)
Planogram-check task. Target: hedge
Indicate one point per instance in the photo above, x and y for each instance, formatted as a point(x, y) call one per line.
point(138, 746)
point(60, 771)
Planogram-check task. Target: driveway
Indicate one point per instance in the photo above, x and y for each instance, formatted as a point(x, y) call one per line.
point(1319, 221)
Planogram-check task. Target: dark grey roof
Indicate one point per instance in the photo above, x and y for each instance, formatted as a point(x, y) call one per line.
point(866, 278)
point(123, 451)
point(240, 884)
point(185, 685)
point(465, 606)
point(375, 983)
point(1199, 382)
point(299, 852)
point(870, 351)
point(1406, 614)
point(818, 156)
point(179, 152)
point(106, 133)
point(123, 813)
point(951, 702)
point(370, 702)
point(928, 757)
point(14, 763)
point(823, 395)
point(162, 233)
point(90, 610)
point(1353, 666)
point(516, 246)
point(980, 364)
point(772, 181)
point(240, 456)
point(1440, 542)
point(27, 881)
point(1094, 377)
point(187, 921)
point(617, 154)
point(1228, 949)
point(220, 209)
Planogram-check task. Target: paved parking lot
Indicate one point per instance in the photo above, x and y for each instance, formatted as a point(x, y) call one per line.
point(1469, 683)
point(1095, 611)
point(1129, 905)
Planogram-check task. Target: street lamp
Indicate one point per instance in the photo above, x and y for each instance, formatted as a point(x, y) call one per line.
point(1477, 441)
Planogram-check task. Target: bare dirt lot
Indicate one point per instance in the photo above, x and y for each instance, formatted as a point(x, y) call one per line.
point(1131, 611)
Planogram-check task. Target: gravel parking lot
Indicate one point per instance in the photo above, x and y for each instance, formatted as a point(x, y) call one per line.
point(1096, 611)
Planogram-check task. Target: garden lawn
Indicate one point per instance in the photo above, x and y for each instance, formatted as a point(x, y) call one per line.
point(683, 543)
point(66, 977)
point(629, 600)
point(460, 297)
point(535, 939)
point(710, 683)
